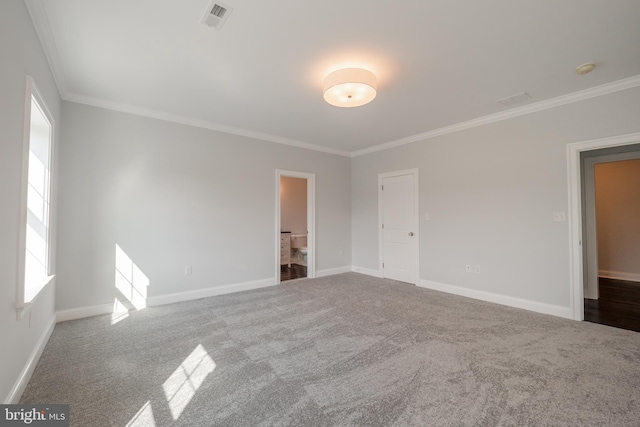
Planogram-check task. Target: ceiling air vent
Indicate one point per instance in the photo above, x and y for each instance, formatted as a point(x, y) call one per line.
point(216, 14)
point(518, 98)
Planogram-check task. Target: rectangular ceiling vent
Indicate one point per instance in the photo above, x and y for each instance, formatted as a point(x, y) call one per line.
point(216, 14)
point(518, 98)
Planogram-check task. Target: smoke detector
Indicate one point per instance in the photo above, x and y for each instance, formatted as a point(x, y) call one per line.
point(216, 14)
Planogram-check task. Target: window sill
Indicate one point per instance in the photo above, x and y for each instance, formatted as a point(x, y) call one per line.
point(24, 307)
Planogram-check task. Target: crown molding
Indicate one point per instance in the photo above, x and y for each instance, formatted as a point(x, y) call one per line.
point(45, 34)
point(40, 21)
point(581, 95)
point(605, 89)
point(204, 124)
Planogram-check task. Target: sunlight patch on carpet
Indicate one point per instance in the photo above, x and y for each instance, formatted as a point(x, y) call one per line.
point(144, 417)
point(185, 381)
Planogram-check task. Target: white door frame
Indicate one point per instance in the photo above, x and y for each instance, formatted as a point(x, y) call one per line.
point(576, 273)
point(311, 219)
point(381, 177)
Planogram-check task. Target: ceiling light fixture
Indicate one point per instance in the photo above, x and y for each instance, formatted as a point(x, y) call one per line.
point(585, 68)
point(350, 87)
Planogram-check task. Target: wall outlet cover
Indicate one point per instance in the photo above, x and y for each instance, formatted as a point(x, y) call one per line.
point(559, 217)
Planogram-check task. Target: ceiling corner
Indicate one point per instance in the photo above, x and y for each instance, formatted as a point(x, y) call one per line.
point(43, 29)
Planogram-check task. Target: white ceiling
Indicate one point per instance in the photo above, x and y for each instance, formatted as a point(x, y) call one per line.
point(438, 62)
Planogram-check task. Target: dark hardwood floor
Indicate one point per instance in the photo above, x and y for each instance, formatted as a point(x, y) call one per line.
point(618, 306)
point(296, 271)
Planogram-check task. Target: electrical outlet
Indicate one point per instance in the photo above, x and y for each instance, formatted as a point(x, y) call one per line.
point(559, 217)
point(467, 268)
point(427, 217)
point(187, 270)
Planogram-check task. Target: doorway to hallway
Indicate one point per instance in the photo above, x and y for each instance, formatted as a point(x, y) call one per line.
point(612, 238)
point(582, 233)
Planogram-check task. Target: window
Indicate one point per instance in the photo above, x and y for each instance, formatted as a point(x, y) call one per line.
point(34, 268)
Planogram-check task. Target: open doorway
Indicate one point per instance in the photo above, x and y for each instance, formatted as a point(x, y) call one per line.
point(612, 237)
point(581, 228)
point(295, 225)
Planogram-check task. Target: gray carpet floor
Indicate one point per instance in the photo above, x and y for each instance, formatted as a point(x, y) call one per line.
point(345, 350)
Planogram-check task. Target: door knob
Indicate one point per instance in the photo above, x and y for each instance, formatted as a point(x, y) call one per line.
point(411, 233)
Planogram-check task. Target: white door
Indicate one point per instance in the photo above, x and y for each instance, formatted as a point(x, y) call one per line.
point(398, 217)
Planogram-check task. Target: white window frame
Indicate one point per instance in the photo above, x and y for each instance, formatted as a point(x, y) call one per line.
point(32, 92)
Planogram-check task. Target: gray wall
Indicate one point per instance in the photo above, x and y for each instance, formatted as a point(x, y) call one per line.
point(490, 192)
point(172, 195)
point(617, 188)
point(20, 54)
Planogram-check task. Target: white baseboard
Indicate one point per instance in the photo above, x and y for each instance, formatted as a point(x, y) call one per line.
point(554, 310)
point(619, 275)
point(209, 292)
point(367, 271)
point(97, 310)
point(30, 366)
point(81, 313)
point(332, 271)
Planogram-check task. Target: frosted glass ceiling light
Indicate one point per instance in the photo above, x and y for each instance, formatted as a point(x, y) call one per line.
point(350, 87)
point(585, 68)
